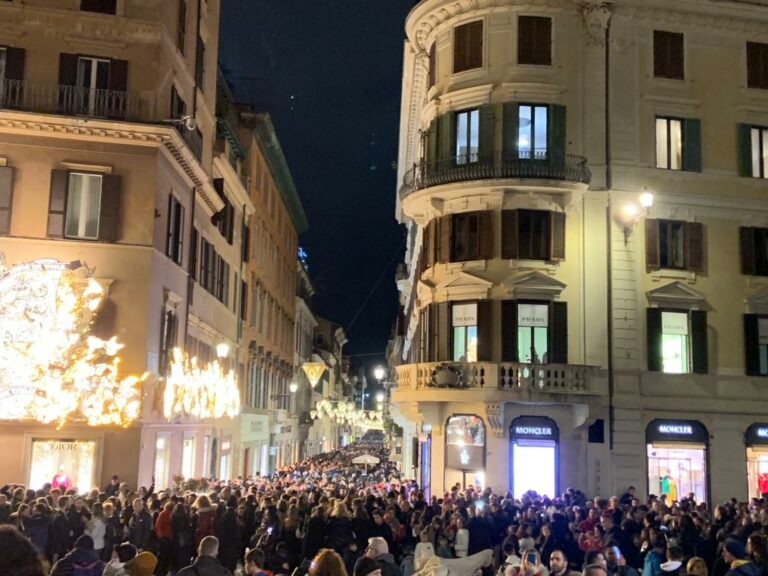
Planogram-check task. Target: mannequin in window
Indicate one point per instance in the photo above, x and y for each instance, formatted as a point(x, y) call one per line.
point(61, 480)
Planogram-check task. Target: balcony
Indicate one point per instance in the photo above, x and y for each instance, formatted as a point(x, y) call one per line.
point(71, 100)
point(492, 166)
point(501, 377)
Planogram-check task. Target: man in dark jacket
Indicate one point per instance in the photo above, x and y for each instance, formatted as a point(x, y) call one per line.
point(140, 525)
point(206, 563)
point(58, 541)
point(378, 551)
point(114, 487)
point(735, 555)
point(82, 558)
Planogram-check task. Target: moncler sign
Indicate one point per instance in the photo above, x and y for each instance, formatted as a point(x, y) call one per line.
point(534, 428)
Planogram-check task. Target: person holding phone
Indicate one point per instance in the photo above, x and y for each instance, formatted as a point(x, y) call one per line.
point(529, 566)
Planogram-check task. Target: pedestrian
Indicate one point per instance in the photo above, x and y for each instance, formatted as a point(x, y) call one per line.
point(139, 525)
point(327, 563)
point(203, 519)
point(96, 528)
point(143, 564)
point(206, 563)
point(378, 551)
point(81, 561)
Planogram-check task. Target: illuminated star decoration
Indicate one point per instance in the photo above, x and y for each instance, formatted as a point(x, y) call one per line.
point(51, 369)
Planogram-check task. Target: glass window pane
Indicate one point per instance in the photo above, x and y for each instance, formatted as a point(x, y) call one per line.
point(764, 359)
point(84, 69)
point(524, 344)
point(102, 75)
point(474, 135)
point(459, 343)
point(764, 159)
point(756, 159)
point(461, 137)
point(675, 144)
point(471, 344)
point(662, 151)
point(540, 344)
point(677, 245)
point(540, 127)
point(524, 142)
point(673, 353)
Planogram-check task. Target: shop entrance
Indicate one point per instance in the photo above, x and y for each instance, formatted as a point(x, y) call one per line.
point(425, 464)
point(756, 441)
point(63, 463)
point(677, 459)
point(533, 458)
point(465, 451)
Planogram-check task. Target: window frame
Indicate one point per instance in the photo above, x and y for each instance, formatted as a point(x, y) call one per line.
point(469, 157)
point(98, 175)
point(688, 340)
point(174, 238)
point(546, 233)
point(763, 76)
point(181, 27)
point(533, 40)
point(533, 107)
point(671, 226)
point(548, 306)
point(762, 151)
point(466, 240)
point(668, 121)
point(656, 66)
point(465, 330)
point(469, 64)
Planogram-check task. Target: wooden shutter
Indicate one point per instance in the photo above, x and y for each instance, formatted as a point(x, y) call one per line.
point(509, 240)
point(694, 246)
point(109, 220)
point(510, 129)
point(525, 40)
point(557, 235)
point(745, 150)
point(432, 64)
point(475, 44)
point(57, 203)
point(193, 242)
point(6, 199)
point(668, 55)
point(757, 65)
point(751, 345)
point(432, 333)
point(460, 48)
point(485, 234)
point(446, 141)
point(556, 136)
point(14, 63)
point(509, 352)
point(432, 152)
point(67, 69)
point(487, 133)
point(692, 144)
point(558, 333)
point(444, 332)
point(747, 250)
point(543, 41)
point(652, 255)
point(484, 331)
point(118, 75)
point(444, 250)
point(653, 334)
point(699, 349)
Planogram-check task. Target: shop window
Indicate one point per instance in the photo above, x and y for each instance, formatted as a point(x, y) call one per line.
point(162, 460)
point(67, 463)
point(668, 55)
point(465, 450)
point(468, 46)
point(532, 333)
point(677, 459)
point(467, 136)
point(533, 122)
point(188, 456)
point(677, 341)
point(464, 322)
point(534, 40)
point(757, 65)
point(534, 442)
point(674, 244)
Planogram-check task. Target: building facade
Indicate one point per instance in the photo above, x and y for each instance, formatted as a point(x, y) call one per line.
point(560, 328)
point(107, 132)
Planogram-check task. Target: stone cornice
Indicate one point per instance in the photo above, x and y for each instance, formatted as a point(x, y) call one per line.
point(104, 131)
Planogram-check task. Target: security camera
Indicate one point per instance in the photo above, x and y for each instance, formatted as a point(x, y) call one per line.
point(189, 122)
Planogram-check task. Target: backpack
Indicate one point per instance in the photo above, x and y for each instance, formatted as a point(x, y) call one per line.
point(94, 569)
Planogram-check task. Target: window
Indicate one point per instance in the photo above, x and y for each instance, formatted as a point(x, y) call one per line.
point(534, 40)
point(178, 106)
point(468, 46)
point(532, 333)
point(674, 343)
point(467, 136)
point(756, 344)
point(3, 53)
point(6, 199)
point(754, 251)
point(168, 334)
point(534, 235)
point(532, 132)
point(83, 206)
point(92, 77)
point(759, 149)
point(100, 6)
point(181, 26)
point(757, 65)
point(221, 289)
point(465, 237)
point(672, 243)
point(669, 143)
point(668, 55)
point(175, 233)
point(464, 324)
point(200, 63)
point(226, 220)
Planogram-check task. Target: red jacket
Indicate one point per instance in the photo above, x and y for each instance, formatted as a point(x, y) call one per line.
point(163, 527)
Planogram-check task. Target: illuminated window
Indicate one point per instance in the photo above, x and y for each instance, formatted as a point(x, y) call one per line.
point(162, 460)
point(532, 132)
point(669, 143)
point(83, 206)
point(465, 443)
point(675, 343)
point(188, 457)
point(532, 333)
point(759, 141)
point(467, 136)
point(464, 332)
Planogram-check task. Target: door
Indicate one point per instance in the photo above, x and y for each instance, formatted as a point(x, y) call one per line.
point(92, 85)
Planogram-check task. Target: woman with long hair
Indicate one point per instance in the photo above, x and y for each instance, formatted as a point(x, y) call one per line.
point(327, 563)
point(203, 519)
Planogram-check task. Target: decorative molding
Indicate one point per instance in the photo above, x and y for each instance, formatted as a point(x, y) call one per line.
point(757, 301)
point(494, 415)
point(100, 168)
point(464, 286)
point(465, 98)
point(596, 16)
point(534, 91)
point(534, 285)
point(676, 295)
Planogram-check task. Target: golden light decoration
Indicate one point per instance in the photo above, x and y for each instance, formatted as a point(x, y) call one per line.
point(314, 371)
point(199, 392)
point(51, 369)
point(346, 413)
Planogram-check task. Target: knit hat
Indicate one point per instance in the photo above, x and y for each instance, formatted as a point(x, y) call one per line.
point(143, 565)
point(85, 542)
point(365, 566)
point(735, 548)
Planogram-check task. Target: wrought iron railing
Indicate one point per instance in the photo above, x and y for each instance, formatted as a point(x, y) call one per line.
point(494, 165)
point(192, 138)
point(70, 100)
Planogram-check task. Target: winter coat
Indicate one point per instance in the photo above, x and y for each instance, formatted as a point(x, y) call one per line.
point(228, 533)
point(388, 565)
point(58, 541)
point(744, 568)
point(340, 534)
point(78, 556)
point(37, 528)
point(204, 566)
point(163, 528)
point(314, 537)
point(139, 529)
point(204, 521)
point(96, 529)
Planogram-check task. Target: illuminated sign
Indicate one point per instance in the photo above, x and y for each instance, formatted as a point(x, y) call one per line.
point(676, 431)
point(534, 428)
point(757, 434)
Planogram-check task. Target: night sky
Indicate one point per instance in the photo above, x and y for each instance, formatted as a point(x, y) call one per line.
point(329, 73)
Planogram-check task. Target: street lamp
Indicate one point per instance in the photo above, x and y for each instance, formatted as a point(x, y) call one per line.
point(379, 372)
point(631, 213)
point(380, 397)
point(222, 350)
point(293, 387)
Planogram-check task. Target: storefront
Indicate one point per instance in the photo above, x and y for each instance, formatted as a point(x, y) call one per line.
point(254, 445)
point(756, 441)
point(63, 463)
point(677, 459)
point(533, 456)
point(425, 460)
point(465, 451)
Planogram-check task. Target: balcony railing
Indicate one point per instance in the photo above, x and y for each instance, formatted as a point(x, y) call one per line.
point(495, 165)
point(70, 100)
point(552, 378)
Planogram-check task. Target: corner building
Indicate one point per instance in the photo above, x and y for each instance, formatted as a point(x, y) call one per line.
point(559, 330)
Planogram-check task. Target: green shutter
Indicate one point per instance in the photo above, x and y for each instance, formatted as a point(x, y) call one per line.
point(487, 133)
point(558, 333)
point(444, 335)
point(692, 144)
point(556, 135)
point(745, 150)
point(699, 348)
point(446, 143)
point(653, 333)
point(509, 352)
point(751, 345)
point(510, 136)
point(484, 331)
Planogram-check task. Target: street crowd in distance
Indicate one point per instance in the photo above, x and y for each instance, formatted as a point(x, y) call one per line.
point(329, 517)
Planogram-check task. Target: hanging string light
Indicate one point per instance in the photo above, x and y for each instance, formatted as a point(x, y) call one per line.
point(346, 413)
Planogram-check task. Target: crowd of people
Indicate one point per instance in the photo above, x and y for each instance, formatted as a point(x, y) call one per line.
point(328, 516)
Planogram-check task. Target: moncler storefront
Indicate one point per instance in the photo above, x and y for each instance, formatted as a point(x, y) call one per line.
point(533, 458)
point(756, 441)
point(677, 459)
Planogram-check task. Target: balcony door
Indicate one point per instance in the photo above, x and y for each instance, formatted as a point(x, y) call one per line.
point(92, 83)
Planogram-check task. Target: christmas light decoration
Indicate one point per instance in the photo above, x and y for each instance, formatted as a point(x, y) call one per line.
point(314, 371)
point(200, 392)
point(347, 413)
point(51, 370)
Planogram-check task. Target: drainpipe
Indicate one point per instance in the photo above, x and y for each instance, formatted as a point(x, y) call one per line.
point(609, 232)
